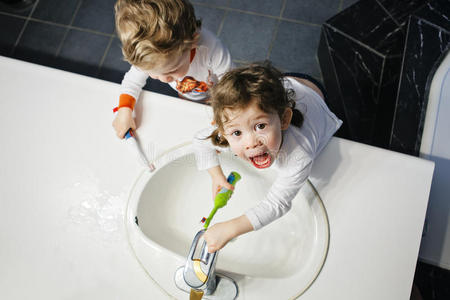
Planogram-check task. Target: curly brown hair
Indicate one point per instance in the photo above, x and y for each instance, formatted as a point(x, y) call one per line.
point(238, 88)
point(153, 32)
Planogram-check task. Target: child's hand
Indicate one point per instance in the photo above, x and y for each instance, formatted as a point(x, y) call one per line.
point(123, 121)
point(218, 235)
point(218, 180)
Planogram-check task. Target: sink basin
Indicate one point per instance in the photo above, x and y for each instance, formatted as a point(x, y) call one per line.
point(279, 261)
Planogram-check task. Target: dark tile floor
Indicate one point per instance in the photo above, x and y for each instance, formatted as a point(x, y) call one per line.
point(432, 283)
point(78, 36)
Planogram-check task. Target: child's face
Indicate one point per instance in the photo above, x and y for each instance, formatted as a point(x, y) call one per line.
point(255, 135)
point(175, 69)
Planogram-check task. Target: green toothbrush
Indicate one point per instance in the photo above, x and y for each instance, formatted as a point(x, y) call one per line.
point(222, 197)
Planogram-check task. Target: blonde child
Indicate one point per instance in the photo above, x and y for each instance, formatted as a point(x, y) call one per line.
point(268, 120)
point(163, 40)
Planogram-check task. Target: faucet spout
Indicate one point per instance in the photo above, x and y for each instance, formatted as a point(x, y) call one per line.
point(199, 270)
point(199, 273)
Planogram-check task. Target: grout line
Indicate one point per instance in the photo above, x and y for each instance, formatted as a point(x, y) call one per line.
point(27, 20)
point(300, 22)
point(227, 10)
point(242, 62)
point(58, 50)
point(256, 14)
point(222, 22)
point(12, 15)
point(283, 8)
point(59, 24)
point(275, 31)
point(274, 37)
point(100, 65)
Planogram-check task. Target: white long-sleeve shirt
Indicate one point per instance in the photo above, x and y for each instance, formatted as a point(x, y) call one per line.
point(210, 62)
point(299, 148)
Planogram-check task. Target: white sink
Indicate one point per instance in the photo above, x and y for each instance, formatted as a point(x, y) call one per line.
point(280, 261)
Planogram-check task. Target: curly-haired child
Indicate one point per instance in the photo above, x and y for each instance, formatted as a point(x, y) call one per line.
point(269, 120)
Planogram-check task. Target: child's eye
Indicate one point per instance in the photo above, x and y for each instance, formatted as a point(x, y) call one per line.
point(236, 133)
point(260, 126)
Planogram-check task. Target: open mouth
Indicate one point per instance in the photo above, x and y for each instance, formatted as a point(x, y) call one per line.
point(261, 161)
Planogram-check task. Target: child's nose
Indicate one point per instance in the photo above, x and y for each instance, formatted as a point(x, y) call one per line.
point(253, 141)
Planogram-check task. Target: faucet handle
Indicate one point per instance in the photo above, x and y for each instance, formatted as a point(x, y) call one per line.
point(199, 268)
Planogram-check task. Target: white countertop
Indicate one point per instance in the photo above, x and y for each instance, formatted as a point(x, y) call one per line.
point(65, 178)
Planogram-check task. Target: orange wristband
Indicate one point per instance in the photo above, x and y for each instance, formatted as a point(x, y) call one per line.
point(125, 100)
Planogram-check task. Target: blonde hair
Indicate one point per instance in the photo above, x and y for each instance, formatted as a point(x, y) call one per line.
point(154, 31)
point(240, 87)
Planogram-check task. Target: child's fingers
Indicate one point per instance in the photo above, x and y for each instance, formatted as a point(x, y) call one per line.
point(229, 186)
point(226, 185)
point(120, 134)
point(133, 124)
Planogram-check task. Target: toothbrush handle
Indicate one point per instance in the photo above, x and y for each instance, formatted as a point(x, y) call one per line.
point(129, 134)
point(211, 215)
point(135, 149)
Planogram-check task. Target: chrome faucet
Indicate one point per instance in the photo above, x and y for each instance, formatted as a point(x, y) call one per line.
point(199, 273)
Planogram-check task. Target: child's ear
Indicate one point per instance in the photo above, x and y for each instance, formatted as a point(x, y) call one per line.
point(196, 38)
point(287, 117)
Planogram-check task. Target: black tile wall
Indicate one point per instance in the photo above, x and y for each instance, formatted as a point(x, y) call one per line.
point(432, 282)
point(427, 44)
point(361, 50)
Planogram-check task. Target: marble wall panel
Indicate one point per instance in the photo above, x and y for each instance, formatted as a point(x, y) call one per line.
point(360, 54)
point(426, 45)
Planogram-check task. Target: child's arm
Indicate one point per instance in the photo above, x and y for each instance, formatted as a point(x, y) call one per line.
point(218, 235)
point(205, 152)
point(207, 159)
point(278, 200)
point(130, 90)
point(276, 203)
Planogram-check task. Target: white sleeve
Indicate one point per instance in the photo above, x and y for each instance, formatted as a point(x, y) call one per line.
point(220, 59)
point(133, 82)
point(278, 200)
point(205, 152)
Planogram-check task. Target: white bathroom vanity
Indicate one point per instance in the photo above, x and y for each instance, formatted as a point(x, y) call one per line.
point(65, 182)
